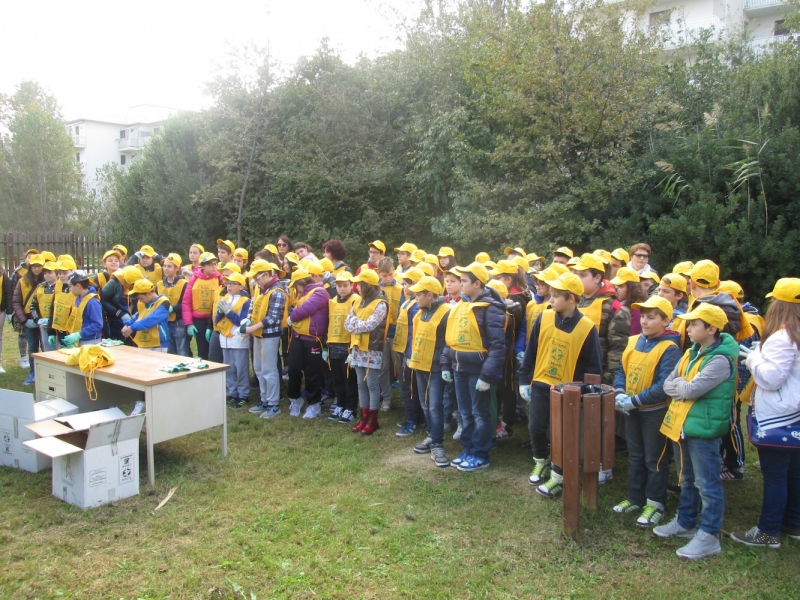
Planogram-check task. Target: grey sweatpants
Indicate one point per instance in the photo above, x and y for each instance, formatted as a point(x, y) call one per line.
point(265, 364)
point(369, 388)
point(237, 377)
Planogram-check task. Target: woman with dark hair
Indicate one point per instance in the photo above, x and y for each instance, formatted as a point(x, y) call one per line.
point(303, 250)
point(335, 252)
point(284, 246)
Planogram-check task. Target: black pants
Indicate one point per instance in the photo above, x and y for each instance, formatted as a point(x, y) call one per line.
point(200, 339)
point(214, 348)
point(345, 384)
point(507, 399)
point(539, 422)
point(305, 361)
point(410, 395)
point(733, 443)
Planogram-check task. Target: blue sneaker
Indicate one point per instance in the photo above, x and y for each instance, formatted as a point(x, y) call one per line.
point(408, 430)
point(472, 463)
point(458, 459)
point(29, 380)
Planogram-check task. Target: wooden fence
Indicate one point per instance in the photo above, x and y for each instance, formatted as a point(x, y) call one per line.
point(87, 250)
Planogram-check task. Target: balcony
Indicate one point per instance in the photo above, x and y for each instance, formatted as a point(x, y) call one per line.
point(79, 141)
point(762, 45)
point(134, 142)
point(756, 8)
point(680, 32)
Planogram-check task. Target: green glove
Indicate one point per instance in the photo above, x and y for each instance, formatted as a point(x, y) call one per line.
point(191, 331)
point(51, 339)
point(208, 335)
point(72, 339)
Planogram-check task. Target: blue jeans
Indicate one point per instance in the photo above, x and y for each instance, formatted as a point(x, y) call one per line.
point(698, 463)
point(781, 502)
point(476, 419)
point(178, 340)
point(431, 398)
point(450, 403)
point(648, 472)
point(32, 337)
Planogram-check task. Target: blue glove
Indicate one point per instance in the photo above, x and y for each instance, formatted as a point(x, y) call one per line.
point(171, 309)
point(520, 357)
point(126, 318)
point(325, 355)
point(447, 376)
point(525, 392)
point(191, 331)
point(72, 339)
point(208, 335)
point(482, 385)
point(31, 324)
point(623, 403)
point(51, 339)
point(43, 322)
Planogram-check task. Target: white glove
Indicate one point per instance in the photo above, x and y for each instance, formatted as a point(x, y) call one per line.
point(43, 322)
point(623, 403)
point(224, 306)
point(289, 322)
point(520, 357)
point(525, 392)
point(447, 376)
point(482, 386)
point(31, 324)
point(245, 322)
point(349, 359)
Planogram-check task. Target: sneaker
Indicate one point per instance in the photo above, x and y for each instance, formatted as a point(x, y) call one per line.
point(457, 434)
point(538, 474)
point(551, 488)
point(295, 406)
point(439, 457)
point(424, 447)
point(458, 459)
point(702, 545)
point(727, 474)
point(626, 506)
point(285, 374)
point(409, 430)
point(335, 413)
point(386, 405)
point(29, 380)
point(396, 384)
point(239, 402)
point(472, 463)
point(757, 464)
point(755, 538)
point(605, 476)
point(258, 408)
point(24, 363)
point(651, 515)
point(673, 529)
point(791, 532)
point(447, 427)
point(347, 416)
point(229, 401)
point(334, 406)
point(503, 431)
point(270, 412)
point(2, 370)
point(401, 424)
point(138, 408)
point(313, 411)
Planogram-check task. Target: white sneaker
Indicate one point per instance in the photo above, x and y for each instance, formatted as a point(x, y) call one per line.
point(604, 476)
point(673, 529)
point(312, 411)
point(2, 371)
point(702, 545)
point(457, 434)
point(295, 406)
point(24, 363)
point(138, 408)
point(386, 405)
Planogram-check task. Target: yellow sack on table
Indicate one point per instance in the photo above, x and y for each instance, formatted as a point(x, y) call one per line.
point(89, 359)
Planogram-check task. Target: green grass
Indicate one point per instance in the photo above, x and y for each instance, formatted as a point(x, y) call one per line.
point(307, 509)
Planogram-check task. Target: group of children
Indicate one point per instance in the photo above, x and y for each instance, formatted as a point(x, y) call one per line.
point(488, 340)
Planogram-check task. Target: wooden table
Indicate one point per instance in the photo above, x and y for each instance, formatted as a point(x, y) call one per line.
point(177, 404)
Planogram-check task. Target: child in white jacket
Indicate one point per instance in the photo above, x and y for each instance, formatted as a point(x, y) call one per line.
point(232, 308)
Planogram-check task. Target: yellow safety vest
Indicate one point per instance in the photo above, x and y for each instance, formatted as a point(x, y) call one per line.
point(401, 331)
point(462, 333)
point(423, 346)
point(149, 338)
point(558, 351)
point(261, 305)
point(337, 313)
point(594, 310)
point(62, 308)
point(75, 321)
point(155, 275)
point(27, 297)
point(225, 325)
point(361, 340)
point(100, 280)
point(392, 293)
point(44, 299)
point(173, 294)
point(218, 294)
point(303, 327)
point(672, 426)
point(203, 295)
point(640, 366)
point(532, 311)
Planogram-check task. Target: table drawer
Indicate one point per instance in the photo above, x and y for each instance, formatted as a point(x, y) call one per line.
point(46, 386)
point(47, 374)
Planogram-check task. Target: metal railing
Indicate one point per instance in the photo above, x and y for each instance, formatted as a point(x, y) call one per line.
point(756, 4)
point(79, 140)
point(129, 143)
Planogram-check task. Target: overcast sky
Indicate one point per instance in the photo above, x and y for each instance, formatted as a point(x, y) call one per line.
point(100, 57)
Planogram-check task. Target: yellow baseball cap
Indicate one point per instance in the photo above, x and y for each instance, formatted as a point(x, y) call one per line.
point(147, 251)
point(64, 257)
point(705, 273)
point(431, 259)
point(658, 302)
point(589, 261)
point(427, 284)
point(651, 275)
point(709, 313)
point(426, 268)
point(67, 263)
point(549, 274)
point(326, 264)
point(533, 257)
point(367, 276)
point(569, 282)
point(564, 250)
point(344, 276)
point(48, 256)
point(50, 265)
point(674, 281)
point(199, 247)
point(121, 248)
point(232, 267)
point(732, 288)
point(499, 287)
point(446, 251)
point(111, 252)
point(625, 275)
point(504, 267)
point(231, 246)
point(241, 253)
point(271, 248)
point(621, 255)
point(522, 263)
point(298, 275)
point(417, 255)
point(477, 269)
point(379, 245)
point(482, 257)
point(603, 255)
point(207, 257)
point(406, 247)
point(786, 289)
point(559, 269)
point(236, 278)
point(683, 268)
point(573, 261)
point(414, 274)
point(315, 268)
point(260, 266)
point(175, 259)
point(142, 286)
point(37, 259)
point(518, 250)
point(31, 251)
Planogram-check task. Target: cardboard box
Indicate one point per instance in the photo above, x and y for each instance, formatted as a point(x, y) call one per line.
point(95, 455)
point(17, 409)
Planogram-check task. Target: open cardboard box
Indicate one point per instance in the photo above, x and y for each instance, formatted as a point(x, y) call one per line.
point(95, 455)
point(17, 409)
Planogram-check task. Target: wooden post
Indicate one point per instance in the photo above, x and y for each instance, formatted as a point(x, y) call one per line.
point(592, 451)
point(571, 466)
point(609, 416)
point(556, 426)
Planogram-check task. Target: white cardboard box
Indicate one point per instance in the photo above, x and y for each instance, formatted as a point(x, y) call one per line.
point(17, 409)
point(95, 455)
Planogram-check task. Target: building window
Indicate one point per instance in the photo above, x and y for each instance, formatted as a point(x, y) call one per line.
point(78, 156)
point(123, 134)
point(77, 130)
point(156, 130)
point(122, 159)
point(780, 28)
point(660, 19)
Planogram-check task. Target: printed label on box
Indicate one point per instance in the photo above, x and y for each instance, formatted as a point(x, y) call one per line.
point(126, 469)
point(97, 477)
point(8, 442)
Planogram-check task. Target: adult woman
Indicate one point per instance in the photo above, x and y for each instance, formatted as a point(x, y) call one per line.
point(776, 403)
point(284, 246)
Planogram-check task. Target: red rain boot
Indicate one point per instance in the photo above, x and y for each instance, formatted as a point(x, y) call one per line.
point(372, 423)
point(362, 421)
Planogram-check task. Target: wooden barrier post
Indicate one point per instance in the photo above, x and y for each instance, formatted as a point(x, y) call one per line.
point(571, 463)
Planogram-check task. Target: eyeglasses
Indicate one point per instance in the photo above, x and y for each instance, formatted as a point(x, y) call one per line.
point(283, 244)
point(373, 252)
point(639, 255)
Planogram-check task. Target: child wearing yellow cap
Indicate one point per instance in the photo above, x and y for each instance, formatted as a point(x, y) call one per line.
point(173, 286)
point(149, 327)
point(198, 302)
point(647, 361)
point(22, 299)
point(232, 309)
point(413, 415)
point(393, 292)
point(564, 346)
point(148, 261)
point(117, 305)
point(343, 379)
point(702, 387)
point(18, 273)
point(42, 305)
point(111, 263)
